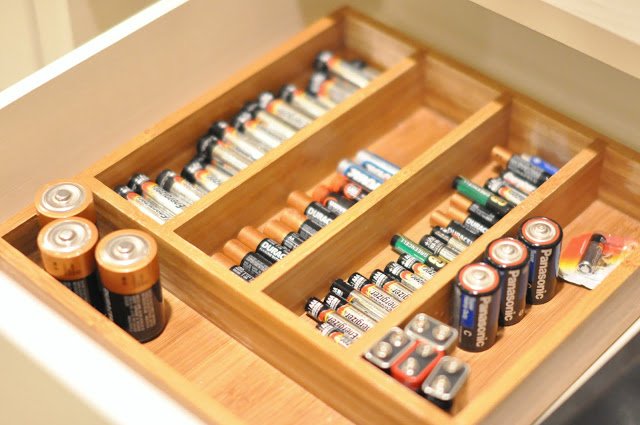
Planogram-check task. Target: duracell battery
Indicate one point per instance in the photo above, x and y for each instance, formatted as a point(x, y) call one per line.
point(519, 165)
point(478, 211)
point(261, 244)
point(467, 220)
point(253, 263)
point(67, 247)
point(304, 226)
point(457, 229)
point(349, 189)
point(225, 262)
point(130, 275)
point(283, 234)
point(64, 199)
point(312, 209)
point(335, 202)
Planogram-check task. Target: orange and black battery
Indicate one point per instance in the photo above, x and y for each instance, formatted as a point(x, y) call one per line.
point(413, 367)
point(253, 263)
point(349, 189)
point(389, 285)
point(64, 199)
point(312, 209)
point(225, 262)
point(302, 225)
point(335, 334)
point(261, 244)
point(130, 275)
point(335, 202)
point(322, 313)
point(283, 234)
point(67, 249)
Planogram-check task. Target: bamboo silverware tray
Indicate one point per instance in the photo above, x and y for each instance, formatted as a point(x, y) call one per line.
point(436, 119)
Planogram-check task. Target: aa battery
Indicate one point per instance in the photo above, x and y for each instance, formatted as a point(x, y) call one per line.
point(519, 165)
point(412, 264)
point(281, 109)
point(303, 226)
point(179, 186)
point(510, 258)
point(445, 386)
point(425, 328)
point(376, 165)
point(359, 175)
point(301, 100)
point(272, 124)
point(456, 229)
point(322, 313)
point(130, 274)
point(369, 72)
point(389, 285)
point(514, 180)
point(141, 184)
point(215, 149)
point(408, 279)
point(447, 238)
point(349, 189)
point(478, 211)
point(282, 234)
point(261, 244)
point(438, 247)
point(377, 295)
point(67, 248)
point(327, 61)
point(481, 196)
point(150, 208)
point(403, 245)
point(225, 262)
point(64, 199)
point(543, 237)
point(349, 312)
point(541, 163)
point(389, 349)
point(246, 124)
point(335, 202)
point(476, 306)
point(328, 91)
point(312, 209)
point(592, 254)
point(467, 220)
point(253, 263)
point(252, 149)
point(340, 288)
point(195, 173)
point(413, 367)
point(501, 188)
point(335, 334)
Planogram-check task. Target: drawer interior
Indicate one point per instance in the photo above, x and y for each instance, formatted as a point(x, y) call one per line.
point(400, 121)
point(243, 346)
point(208, 358)
point(173, 142)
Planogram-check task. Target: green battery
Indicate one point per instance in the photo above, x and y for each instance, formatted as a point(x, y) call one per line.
point(403, 245)
point(481, 196)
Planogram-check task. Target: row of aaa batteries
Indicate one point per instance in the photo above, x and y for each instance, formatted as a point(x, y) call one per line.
point(260, 126)
point(119, 275)
point(355, 305)
point(254, 251)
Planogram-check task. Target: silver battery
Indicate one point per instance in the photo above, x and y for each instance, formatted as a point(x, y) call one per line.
point(282, 110)
point(302, 101)
point(358, 300)
point(252, 149)
point(326, 330)
point(252, 127)
point(408, 278)
point(514, 180)
point(593, 254)
point(376, 164)
point(446, 382)
point(321, 86)
point(62, 197)
point(424, 327)
point(150, 208)
point(150, 190)
point(389, 349)
point(327, 61)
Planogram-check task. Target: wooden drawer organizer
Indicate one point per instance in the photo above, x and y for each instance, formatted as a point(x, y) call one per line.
point(435, 118)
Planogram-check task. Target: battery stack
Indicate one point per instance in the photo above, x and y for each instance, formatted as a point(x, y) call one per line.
point(254, 250)
point(261, 125)
point(419, 357)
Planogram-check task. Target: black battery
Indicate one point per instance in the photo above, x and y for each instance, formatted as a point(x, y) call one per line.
point(476, 306)
point(543, 237)
point(510, 258)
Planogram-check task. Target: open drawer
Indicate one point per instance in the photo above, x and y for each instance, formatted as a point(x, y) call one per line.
point(435, 119)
